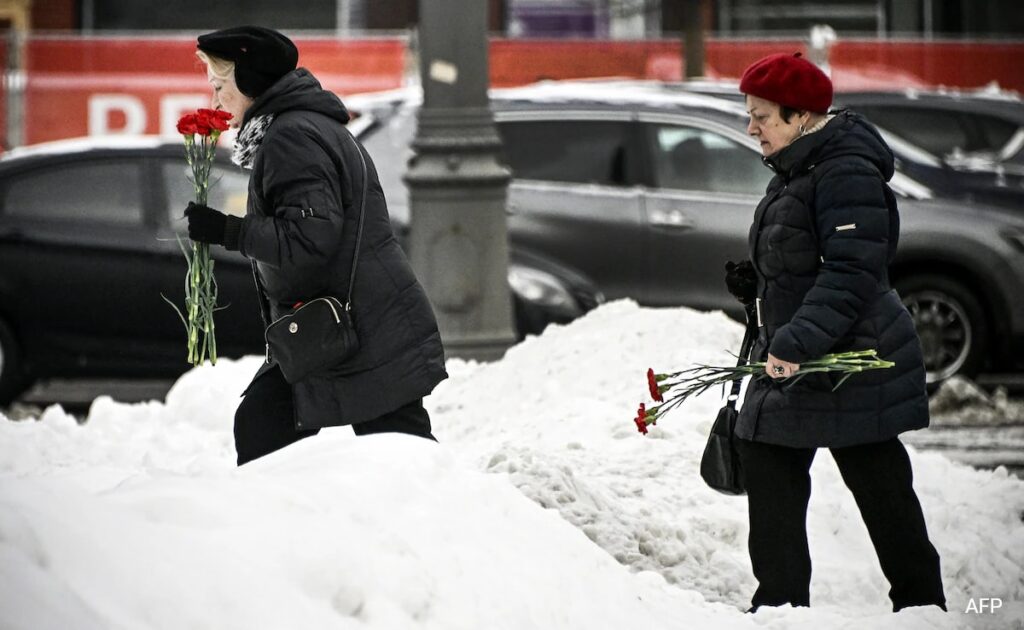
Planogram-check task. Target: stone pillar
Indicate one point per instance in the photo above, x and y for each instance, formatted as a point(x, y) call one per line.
point(458, 186)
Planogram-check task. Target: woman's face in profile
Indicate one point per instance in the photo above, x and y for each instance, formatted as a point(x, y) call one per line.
point(766, 124)
point(228, 97)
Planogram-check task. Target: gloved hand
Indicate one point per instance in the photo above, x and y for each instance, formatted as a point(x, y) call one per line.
point(206, 225)
point(741, 281)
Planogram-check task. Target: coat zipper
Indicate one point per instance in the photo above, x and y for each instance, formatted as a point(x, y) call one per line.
point(758, 219)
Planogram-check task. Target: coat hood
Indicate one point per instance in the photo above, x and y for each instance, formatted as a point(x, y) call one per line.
point(847, 134)
point(298, 90)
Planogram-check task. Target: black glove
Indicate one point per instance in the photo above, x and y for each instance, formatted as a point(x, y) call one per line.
point(206, 225)
point(741, 281)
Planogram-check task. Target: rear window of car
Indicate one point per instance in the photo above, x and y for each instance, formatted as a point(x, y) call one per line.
point(101, 191)
point(570, 151)
point(388, 142)
point(938, 132)
point(996, 132)
point(229, 190)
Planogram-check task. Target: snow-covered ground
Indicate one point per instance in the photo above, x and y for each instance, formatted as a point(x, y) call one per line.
point(542, 507)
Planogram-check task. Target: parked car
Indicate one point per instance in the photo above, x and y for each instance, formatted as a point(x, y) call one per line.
point(648, 191)
point(951, 124)
point(965, 145)
point(89, 248)
point(967, 178)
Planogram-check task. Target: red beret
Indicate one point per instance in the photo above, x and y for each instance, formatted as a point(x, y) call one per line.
point(788, 80)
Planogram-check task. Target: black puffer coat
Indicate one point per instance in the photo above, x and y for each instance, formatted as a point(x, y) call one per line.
point(300, 231)
point(821, 242)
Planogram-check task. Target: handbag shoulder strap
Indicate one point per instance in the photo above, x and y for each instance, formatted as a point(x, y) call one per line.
point(359, 229)
point(745, 346)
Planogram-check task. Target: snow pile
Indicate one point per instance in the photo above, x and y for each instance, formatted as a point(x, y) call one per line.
point(542, 507)
point(960, 401)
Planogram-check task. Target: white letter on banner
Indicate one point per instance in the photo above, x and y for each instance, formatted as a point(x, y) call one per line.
point(172, 107)
point(100, 106)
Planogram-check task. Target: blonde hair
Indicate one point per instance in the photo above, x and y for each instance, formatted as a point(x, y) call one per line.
point(219, 68)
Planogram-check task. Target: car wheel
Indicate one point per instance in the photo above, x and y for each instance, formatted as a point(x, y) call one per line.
point(950, 321)
point(11, 378)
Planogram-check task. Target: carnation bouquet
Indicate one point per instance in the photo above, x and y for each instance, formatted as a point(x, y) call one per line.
point(672, 388)
point(201, 130)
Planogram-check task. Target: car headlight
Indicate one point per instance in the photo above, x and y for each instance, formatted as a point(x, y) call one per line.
point(540, 288)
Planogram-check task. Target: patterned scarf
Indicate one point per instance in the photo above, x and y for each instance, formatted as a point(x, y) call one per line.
point(249, 139)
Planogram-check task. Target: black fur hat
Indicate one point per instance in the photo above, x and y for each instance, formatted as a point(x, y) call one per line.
point(261, 55)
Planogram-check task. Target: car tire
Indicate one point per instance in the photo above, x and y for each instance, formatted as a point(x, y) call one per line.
point(950, 322)
point(11, 377)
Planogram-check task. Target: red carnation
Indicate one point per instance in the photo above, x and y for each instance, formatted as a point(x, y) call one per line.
point(187, 125)
point(641, 419)
point(215, 119)
point(203, 126)
point(652, 384)
point(217, 113)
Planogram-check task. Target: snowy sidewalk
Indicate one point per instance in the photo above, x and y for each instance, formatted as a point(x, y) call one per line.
point(542, 507)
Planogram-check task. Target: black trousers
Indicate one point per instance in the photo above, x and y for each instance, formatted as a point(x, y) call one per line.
point(879, 475)
point(265, 420)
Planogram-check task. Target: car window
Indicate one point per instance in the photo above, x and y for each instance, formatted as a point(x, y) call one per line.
point(938, 132)
point(229, 189)
point(1017, 159)
point(688, 158)
point(572, 151)
point(995, 131)
point(104, 191)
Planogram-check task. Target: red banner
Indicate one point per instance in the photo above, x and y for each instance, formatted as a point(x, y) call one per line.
point(113, 85)
point(855, 65)
point(99, 86)
point(933, 64)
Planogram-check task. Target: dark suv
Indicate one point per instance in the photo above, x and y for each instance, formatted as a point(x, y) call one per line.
point(88, 248)
point(647, 192)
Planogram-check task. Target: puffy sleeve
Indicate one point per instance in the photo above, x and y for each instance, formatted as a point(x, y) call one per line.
point(301, 183)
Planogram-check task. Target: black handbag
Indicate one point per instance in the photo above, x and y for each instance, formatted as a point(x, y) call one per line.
point(315, 336)
point(720, 465)
point(321, 332)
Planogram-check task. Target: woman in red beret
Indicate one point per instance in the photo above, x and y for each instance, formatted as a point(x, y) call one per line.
point(316, 226)
point(820, 246)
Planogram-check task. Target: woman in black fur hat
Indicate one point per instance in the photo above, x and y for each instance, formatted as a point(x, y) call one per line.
point(306, 188)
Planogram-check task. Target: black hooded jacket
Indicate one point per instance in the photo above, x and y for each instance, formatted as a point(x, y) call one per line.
point(821, 243)
point(300, 231)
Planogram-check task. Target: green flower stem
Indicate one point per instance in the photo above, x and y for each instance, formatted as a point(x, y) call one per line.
point(681, 385)
point(200, 284)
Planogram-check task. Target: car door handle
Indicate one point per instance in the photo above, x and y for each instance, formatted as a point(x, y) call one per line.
point(670, 220)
